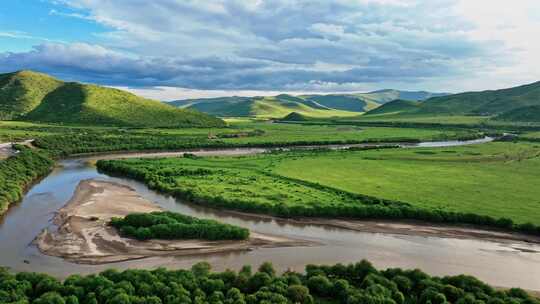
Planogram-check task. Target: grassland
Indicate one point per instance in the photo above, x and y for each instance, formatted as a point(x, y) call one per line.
point(497, 180)
point(535, 135)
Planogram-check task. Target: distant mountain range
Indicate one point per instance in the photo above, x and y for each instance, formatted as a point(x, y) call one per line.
point(520, 103)
point(27, 95)
point(309, 105)
point(31, 96)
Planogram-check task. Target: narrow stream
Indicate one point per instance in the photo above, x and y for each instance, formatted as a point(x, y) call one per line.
point(504, 265)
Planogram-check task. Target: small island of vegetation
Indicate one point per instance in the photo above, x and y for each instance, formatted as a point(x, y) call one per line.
point(170, 226)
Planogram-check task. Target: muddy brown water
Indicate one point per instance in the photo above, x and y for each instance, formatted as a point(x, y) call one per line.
point(500, 264)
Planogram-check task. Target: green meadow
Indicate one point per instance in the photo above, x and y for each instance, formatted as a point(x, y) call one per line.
point(497, 179)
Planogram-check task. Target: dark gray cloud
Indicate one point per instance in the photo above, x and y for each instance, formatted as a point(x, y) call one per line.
point(264, 45)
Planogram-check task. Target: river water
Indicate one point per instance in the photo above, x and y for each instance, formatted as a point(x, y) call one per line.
point(504, 265)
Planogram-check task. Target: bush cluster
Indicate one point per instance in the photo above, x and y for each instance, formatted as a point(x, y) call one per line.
point(341, 284)
point(170, 226)
point(19, 171)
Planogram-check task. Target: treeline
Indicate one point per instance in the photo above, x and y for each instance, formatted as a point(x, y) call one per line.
point(18, 172)
point(172, 226)
point(358, 283)
point(367, 208)
point(96, 142)
point(483, 126)
point(70, 144)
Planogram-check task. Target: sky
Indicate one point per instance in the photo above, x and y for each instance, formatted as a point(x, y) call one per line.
point(175, 49)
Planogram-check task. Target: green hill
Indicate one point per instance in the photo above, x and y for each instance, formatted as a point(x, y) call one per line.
point(266, 107)
point(384, 96)
point(524, 114)
point(486, 103)
point(310, 105)
point(507, 104)
point(32, 96)
point(396, 107)
point(21, 92)
point(295, 117)
point(343, 102)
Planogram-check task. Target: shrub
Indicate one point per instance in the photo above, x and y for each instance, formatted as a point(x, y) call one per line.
point(170, 225)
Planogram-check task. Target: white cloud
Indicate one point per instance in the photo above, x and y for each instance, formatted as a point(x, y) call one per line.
point(447, 45)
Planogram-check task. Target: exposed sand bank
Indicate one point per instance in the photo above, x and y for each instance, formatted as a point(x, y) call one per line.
point(408, 227)
point(81, 234)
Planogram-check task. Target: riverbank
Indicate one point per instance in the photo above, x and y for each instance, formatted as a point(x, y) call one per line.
point(81, 233)
point(407, 227)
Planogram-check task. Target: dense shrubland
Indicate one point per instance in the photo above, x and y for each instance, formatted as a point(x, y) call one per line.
point(357, 283)
point(20, 171)
point(170, 225)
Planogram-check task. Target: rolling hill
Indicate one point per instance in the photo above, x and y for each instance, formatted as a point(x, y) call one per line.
point(266, 107)
point(308, 105)
point(398, 106)
point(27, 95)
point(515, 104)
point(523, 114)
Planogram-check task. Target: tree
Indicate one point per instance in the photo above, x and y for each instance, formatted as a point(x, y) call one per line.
point(50, 298)
point(299, 294)
point(201, 269)
point(267, 268)
point(120, 298)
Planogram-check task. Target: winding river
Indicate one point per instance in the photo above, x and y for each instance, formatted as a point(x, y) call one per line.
point(500, 264)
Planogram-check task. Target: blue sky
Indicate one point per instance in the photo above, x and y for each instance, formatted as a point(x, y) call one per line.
point(170, 49)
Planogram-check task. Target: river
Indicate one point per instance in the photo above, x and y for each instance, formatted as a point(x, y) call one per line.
point(500, 264)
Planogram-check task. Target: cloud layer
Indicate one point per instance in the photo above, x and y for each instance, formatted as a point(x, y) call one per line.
point(271, 45)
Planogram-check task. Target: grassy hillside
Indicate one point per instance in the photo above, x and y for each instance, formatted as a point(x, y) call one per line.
point(310, 105)
point(395, 107)
point(524, 114)
point(518, 104)
point(267, 107)
point(486, 102)
point(343, 102)
point(21, 92)
point(38, 97)
point(384, 96)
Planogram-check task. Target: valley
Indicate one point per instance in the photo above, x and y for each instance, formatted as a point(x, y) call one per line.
point(399, 190)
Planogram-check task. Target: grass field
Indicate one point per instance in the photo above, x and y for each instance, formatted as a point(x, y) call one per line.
point(531, 135)
point(497, 179)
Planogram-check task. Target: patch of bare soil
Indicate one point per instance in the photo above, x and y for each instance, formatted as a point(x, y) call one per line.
point(81, 232)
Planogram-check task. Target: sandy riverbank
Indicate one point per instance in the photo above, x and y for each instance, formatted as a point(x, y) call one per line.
point(408, 227)
point(80, 232)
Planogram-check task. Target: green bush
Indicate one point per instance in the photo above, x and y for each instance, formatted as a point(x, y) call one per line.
point(354, 283)
point(18, 172)
point(170, 226)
